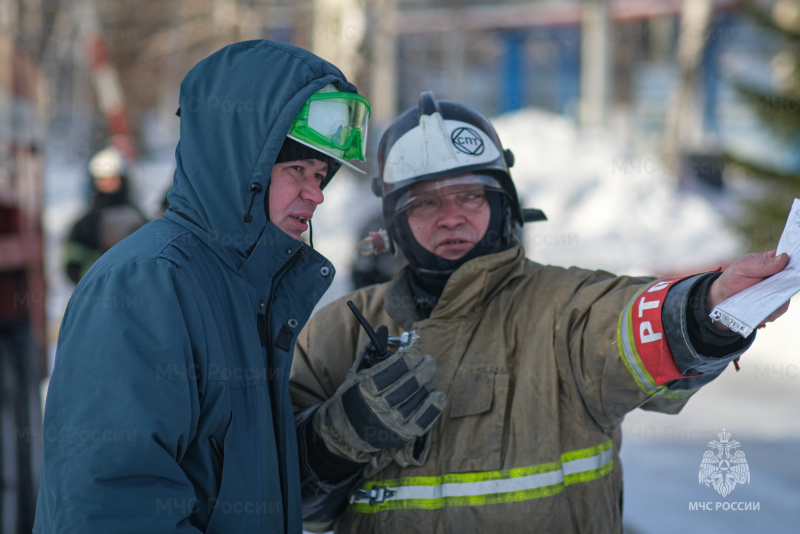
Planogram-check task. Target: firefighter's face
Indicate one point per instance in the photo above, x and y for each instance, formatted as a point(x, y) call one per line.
point(448, 221)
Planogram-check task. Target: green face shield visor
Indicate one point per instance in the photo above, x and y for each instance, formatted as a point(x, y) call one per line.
point(334, 123)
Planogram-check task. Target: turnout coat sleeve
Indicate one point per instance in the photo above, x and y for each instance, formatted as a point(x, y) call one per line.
point(594, 350)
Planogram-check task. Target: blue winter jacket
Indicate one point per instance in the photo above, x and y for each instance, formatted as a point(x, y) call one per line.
point(168, 408)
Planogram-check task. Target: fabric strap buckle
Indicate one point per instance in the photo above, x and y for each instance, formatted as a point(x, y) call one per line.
point(376, 495)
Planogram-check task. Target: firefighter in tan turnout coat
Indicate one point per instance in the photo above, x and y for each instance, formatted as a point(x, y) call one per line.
point(505, 414)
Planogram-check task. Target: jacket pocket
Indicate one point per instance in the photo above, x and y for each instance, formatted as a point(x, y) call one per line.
point(248, 497)
point(216, 448)
point(473, 433)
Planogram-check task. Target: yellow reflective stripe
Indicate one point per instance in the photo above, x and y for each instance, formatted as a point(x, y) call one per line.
point(630, 357)
point(581, 465)
point(492, 487)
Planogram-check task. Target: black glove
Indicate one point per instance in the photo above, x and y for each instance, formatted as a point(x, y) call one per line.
point(385, 406)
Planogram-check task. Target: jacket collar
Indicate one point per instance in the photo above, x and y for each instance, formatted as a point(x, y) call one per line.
point(477, 281)
point(268, 256)
point(468, 289)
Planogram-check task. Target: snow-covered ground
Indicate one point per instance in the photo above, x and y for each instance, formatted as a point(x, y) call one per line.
point(607, 209)
point(758, 406)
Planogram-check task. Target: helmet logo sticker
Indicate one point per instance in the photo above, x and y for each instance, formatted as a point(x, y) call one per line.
point(467, 140)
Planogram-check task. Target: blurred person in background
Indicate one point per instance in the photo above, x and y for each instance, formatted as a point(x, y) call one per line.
point(513, 423)
point(369, 269)
point(111, 216)
point(168, 407)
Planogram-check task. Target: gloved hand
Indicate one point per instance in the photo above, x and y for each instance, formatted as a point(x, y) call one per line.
point(382, 407)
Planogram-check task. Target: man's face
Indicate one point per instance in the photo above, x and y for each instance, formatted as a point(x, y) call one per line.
point(294, 193)
point(448, 221)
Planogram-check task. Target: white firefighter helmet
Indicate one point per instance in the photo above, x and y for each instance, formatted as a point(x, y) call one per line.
point(106, 163)
point(436, 139)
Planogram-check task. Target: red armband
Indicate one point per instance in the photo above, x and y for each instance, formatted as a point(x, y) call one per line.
point(642, 344)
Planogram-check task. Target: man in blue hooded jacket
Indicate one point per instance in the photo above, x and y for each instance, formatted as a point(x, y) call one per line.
point(168, 407)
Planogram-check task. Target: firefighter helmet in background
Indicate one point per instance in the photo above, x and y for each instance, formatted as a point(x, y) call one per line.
point(108, 172)
point(437, 139)
point(107, 162)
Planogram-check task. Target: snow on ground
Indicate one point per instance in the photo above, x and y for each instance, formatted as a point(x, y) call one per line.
point(661, 454)
point(608, 209)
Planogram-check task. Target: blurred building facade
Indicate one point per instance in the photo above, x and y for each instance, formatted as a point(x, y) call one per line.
point(610, 63)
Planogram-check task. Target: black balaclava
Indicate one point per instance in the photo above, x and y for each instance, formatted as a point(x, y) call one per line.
point(429, 272)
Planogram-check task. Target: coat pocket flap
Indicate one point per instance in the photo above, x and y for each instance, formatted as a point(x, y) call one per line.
point(471, 394)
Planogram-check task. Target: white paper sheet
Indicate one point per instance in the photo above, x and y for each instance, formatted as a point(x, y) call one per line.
point(746, 310)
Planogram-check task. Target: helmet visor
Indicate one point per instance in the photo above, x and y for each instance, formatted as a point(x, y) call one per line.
point(334, 123)
point(425, 198)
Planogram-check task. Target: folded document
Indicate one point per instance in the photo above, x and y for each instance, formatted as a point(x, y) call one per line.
point(746, 310)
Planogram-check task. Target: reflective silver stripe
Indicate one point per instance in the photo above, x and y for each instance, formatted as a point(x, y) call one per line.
point(496, 485)
point(573, 467)
point(471, 489)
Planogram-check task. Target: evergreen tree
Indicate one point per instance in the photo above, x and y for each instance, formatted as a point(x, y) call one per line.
point(778, 109)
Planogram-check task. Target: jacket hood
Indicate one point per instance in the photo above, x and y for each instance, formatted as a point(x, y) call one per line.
point(236, 108)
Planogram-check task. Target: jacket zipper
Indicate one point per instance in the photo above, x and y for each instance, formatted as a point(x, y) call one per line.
point(268, 311)
point(271, 369)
